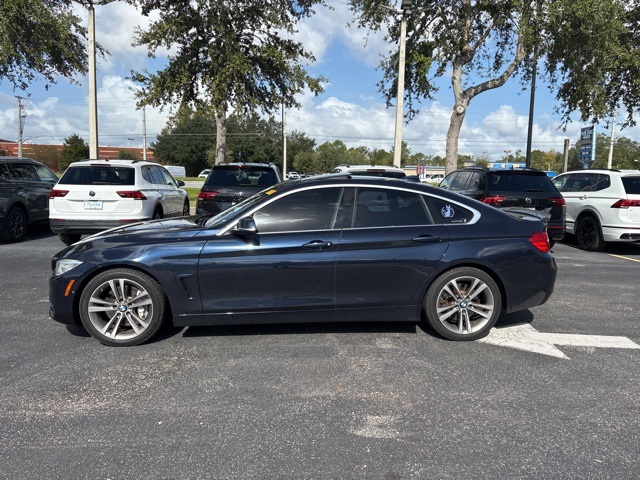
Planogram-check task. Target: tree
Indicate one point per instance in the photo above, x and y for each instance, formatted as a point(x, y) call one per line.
point(254, 139)
point(40, 38)
point(186, 141)
point(330, 155)
point(226, 55)
point(587, 50)
point(74, 148)
point(128, 155)
point(48, 155)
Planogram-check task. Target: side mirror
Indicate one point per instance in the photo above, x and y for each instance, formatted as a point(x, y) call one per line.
point(246, 226)
point(180, 183)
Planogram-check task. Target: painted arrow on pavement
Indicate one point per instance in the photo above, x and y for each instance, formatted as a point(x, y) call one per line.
point(525, 337)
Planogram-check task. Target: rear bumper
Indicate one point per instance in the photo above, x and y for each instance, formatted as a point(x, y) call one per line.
point(621, 234)
point(84, 227)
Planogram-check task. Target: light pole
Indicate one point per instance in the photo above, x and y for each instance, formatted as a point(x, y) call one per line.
point(397, 143)
point(93, 100)
point(131, 142)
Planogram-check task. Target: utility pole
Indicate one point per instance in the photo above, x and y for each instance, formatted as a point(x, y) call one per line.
point(405, 8)
point(613, 126)
point(21, 118)
point(284, 142)
point(93, 98)
point(144, 134)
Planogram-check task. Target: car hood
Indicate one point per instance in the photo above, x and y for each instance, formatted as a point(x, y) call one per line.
point(193, 223)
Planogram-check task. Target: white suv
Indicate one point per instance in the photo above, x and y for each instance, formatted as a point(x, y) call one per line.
point(602, 206)
point(94, 195)
point(371, 170)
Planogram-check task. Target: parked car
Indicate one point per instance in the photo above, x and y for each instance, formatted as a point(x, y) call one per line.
point(95, 195)
point(24, 196)
point(602, 206)
point(204, 173)
point(434, 178)
point(519, 188)
point(371, 170)
point(326, 249)
point(293, 176)
point(230, 183)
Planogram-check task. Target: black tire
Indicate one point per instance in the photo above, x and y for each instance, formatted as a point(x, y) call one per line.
point(122, 307)
point(157, 214)
point(69, 238)
point(589, 234)
point(463, 304)
point(186, 209)
point(15, 226)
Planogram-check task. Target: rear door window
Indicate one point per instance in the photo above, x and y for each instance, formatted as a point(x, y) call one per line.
point(631, 185)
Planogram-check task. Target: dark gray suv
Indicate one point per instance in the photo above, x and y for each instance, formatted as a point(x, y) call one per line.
point(513, 189)
point(230, 183)
point(24, 196)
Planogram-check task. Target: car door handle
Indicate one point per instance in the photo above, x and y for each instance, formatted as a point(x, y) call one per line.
point(318, 244)
point(427, 239)
point(583, 197)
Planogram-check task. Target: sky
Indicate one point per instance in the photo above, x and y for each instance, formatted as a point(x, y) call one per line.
point(351, 108)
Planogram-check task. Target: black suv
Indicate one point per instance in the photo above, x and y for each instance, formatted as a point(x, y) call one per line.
point(24, 196)
point(230, 183)
point(517, 189)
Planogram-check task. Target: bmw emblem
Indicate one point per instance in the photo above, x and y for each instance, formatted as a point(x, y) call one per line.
point(92, 193)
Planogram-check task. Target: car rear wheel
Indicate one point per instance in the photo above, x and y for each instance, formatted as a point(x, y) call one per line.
point(122, 307)
point(463, 304)
point(69, 238)
point(588, 234)
point(15, 227)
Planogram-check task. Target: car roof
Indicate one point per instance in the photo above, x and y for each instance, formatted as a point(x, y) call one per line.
point(603, 170)
point(99, 161)
point(17, 159)
point(506, 171)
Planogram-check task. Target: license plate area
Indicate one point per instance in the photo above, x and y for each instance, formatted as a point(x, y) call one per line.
point(93, 205)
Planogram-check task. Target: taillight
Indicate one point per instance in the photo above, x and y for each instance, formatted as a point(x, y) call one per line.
point(540, 240)
point(57, 193)
point(136, 195)
point(493, 200)
point(207, 195)
point(558, 201)
point(626, 204)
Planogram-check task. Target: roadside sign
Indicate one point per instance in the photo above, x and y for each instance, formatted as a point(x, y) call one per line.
point(587, 146)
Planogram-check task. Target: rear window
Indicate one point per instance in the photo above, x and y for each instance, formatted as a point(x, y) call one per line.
point(519, 182)
point(240, 176)
point(631, 185)
point(98, 175)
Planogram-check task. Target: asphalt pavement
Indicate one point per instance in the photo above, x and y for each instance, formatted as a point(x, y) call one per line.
point(344, 401)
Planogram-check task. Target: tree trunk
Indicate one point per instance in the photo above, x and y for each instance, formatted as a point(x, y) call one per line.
point(221, 137)
point(455, 125)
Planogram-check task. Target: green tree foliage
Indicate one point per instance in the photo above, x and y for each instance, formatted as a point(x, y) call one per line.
point(186, 141)
point(587, 51)
point(298, 143)
point(74, 148)
point(226, 55)
point(40, 38)
point(49, 155)
point(330, 155)
point(128, 155)
point(253, 139)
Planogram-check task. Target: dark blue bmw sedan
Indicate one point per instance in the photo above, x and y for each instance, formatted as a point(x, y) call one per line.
point(326, 249)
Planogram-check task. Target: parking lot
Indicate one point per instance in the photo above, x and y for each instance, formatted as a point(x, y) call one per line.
point(553, 392)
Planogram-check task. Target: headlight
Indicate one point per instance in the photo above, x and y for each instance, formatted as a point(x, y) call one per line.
point(64, 265)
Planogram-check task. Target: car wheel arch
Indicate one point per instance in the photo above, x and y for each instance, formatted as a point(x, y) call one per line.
point(448, 266)
point(79, 288)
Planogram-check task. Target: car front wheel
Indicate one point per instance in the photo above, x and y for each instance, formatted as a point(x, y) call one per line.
point(69, 238)
point(122, 307)
point(588, 234)
point(186, 209)
point(463, 304)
